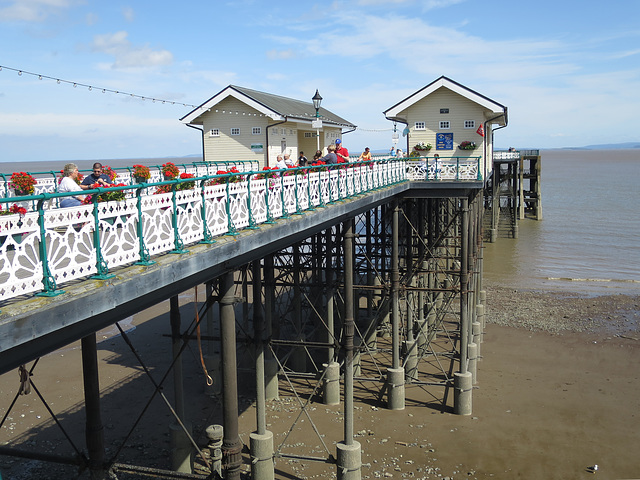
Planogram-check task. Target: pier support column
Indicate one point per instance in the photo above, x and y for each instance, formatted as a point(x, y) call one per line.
point(271, 366)
point(94, 431)
point(463, 381)
point(231, 444)
point(298, 358)
point(212, 357)
point(395, 374)
point(348, 451)
point(261, 441)
point(180, 443)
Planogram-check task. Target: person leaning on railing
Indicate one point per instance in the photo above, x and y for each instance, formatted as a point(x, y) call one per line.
point(97, 176)
point(69, 184)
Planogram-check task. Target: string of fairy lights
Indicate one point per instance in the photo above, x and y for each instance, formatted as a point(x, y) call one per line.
point(60, 81)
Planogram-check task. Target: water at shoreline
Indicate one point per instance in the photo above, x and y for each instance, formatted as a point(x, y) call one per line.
point(587, 241)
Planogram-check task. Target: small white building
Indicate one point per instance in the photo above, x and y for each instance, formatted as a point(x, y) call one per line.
point(243, 124)
point(449, 117)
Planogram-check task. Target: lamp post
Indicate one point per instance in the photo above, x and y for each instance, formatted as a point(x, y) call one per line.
point(317, 124)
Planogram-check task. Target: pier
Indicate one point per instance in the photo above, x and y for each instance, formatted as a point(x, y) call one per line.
point(513, 192)
point(316, 280)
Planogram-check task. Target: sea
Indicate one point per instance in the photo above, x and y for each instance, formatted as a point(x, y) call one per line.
point(588, 241)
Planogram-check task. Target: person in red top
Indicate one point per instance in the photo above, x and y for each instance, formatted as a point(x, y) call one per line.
point(341, 152)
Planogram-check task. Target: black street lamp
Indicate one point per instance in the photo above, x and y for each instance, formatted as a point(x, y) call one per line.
point(317, 100)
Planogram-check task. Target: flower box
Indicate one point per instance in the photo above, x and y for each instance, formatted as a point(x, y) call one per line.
point(141, 173)
point(23, 183)
point(467, 146)
point(170, 171)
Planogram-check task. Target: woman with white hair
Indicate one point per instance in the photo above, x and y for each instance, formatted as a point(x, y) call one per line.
point(69, 184)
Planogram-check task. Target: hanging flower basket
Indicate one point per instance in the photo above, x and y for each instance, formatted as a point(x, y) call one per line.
point(108, 196)
point(186, 185)
point(422, 146)
point(266, 173)
point(467, 146)
point(23, 183)
point(13, 210)
point(141, 173)
point(109, 172)
point(170, 171)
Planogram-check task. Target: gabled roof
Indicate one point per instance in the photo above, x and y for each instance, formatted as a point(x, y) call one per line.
point(498, 109)
point(274, 106)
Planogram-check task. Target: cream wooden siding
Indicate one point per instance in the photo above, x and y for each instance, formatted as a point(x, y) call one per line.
point(229, 147)
point(460, 108)
point(308, 145)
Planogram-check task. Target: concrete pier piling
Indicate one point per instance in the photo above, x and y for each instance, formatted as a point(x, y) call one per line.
point(261, 446)
point(331, 387)
point(462, 393)
point(395, 389)
point(349, 461)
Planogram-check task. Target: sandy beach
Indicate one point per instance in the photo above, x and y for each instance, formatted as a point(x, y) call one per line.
point(557, 392)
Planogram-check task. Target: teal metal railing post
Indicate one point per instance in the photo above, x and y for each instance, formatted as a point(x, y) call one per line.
point(298, 211)
point(285, 214)
point(267, 188)
point(231, 227)
point(252, 221)
point(207, 238)
point(308, 175)
point(48, 281)
point(101, 266)
point(178, 246)
point(145, 258)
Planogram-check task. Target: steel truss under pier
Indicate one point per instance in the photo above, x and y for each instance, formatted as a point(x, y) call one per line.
point(377, 308)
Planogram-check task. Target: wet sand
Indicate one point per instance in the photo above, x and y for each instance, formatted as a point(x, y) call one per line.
point(558, 390)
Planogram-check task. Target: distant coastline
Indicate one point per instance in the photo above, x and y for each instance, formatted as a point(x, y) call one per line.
point(604, 146)
point(195, 157)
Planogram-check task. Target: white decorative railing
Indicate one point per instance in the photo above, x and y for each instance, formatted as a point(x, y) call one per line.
point(444, 169)
point(48, 247)
point(506, 155)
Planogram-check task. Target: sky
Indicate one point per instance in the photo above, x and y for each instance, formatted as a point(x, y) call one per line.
point(568, 71)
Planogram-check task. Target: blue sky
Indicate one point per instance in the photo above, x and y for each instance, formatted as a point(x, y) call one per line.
point(569, 71)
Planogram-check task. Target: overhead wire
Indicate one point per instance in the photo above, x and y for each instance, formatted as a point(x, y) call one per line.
point(89, 87)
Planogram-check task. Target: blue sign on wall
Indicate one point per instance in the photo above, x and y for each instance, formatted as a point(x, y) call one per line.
point(444, 141)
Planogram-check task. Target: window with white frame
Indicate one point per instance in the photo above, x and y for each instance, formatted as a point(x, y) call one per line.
point(235, 131)
point(256, 131)
point(214, 132)
point(308, 134)
point(445, 125)
point(469, 124)
point(421, 126)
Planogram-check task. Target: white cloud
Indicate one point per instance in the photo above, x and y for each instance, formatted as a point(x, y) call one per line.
point(128, 14)
point(281, 54)
point(91, 19)
point(127, 55)
point(32, 10)
point(68, 125)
